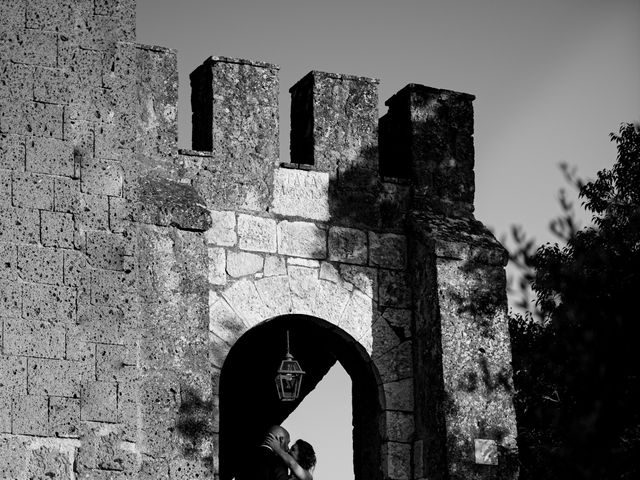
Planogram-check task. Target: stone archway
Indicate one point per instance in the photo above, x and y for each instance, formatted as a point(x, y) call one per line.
point(248, 399)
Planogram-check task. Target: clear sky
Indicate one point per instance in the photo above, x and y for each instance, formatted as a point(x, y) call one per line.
point(552, 78)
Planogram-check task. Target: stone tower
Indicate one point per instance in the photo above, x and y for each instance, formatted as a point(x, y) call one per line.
point(146, 291)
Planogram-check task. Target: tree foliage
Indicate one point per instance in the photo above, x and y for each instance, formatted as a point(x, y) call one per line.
point(576, 356)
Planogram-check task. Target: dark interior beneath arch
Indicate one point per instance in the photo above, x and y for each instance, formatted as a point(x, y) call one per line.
point(249, 402)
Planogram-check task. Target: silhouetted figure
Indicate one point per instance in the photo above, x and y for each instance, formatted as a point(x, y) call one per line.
point(262, 463)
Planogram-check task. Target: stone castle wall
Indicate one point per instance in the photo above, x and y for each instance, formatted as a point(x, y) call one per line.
point(137, 279)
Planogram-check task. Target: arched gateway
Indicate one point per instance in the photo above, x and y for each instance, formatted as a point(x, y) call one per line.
point(249, 403)
point(143, 285)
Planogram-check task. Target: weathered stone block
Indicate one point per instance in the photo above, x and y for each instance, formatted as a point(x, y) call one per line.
point(274, 265)
point(399, 395)
point(112, 364)
point(42, 119)
point(396, 364)
point(67, 195)
point(398, 466)
point(217, 266)
point(5, 188)
point(107, 250)
point(303, 282)
point(128, 412)
point(190, 468)
point(8, 262)
point(240, 264)
point(223, 229)
point(275, 293)
point(98, 402)
point(301, 193)
point(57, 229)
point(61, 378)
point(86, 64)
point(394, 289)
point(384, 337)
point(40, 265)
point(30, 415)
point(55, 461)
point(33, 338)
point(399, 320)
point(100, 324)
point(400, 426)
point(302, 239)
point(76, 270)
point(243, 297)
point(5, 415)
point(53, 85)
point(257, 233)
point(32, 191)
point(112, 288)
point(223, 321)
point(166, 202)
point(49, 302)
point(14, 455)
point(31, 47)
point(64, 416)
point(329, 272)
point(101, 177)
point(119, 214)
point(19, 225)
point(92, 212)
point(12, 152)
point(357, 317)
point(303, 262)
point(388, 250)
point(13, 375)
point(53, 15)
point(78, 348)
point(348, 245)
point(364, 279)
point(331, 299)
point(11, 299)
point(16, 81)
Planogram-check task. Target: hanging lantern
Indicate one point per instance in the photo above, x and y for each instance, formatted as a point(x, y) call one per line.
point(289, 377)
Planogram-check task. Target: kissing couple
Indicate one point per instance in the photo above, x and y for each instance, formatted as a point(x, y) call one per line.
point(274, 460)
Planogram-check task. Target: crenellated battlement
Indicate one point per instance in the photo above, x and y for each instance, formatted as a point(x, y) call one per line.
point(425, 140)
point(146, 289)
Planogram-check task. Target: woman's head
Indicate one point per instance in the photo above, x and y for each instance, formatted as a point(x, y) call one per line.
point(304, 454)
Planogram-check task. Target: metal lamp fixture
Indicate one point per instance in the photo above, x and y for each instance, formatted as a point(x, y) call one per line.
point(289, 377)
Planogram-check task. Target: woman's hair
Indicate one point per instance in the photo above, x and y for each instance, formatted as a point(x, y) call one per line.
point(306, 455)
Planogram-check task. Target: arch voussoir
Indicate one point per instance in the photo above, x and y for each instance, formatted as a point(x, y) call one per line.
point(276, 294)
point(243, 297)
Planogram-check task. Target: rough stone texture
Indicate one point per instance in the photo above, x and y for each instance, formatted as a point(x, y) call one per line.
point(223, 229)
point(439, 147)
point(256, 233)
point(217, 266)
point(240, 264)
point(301, 193)
point(235, 117)
point(145, 291)
point(334, 122)
point(348, 245)
point(302, 239)
point(388, 250)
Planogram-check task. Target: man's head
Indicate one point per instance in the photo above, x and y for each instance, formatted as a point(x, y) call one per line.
point(281, 434)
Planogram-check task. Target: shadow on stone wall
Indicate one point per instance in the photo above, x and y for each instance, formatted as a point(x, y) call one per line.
point(195, 424)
